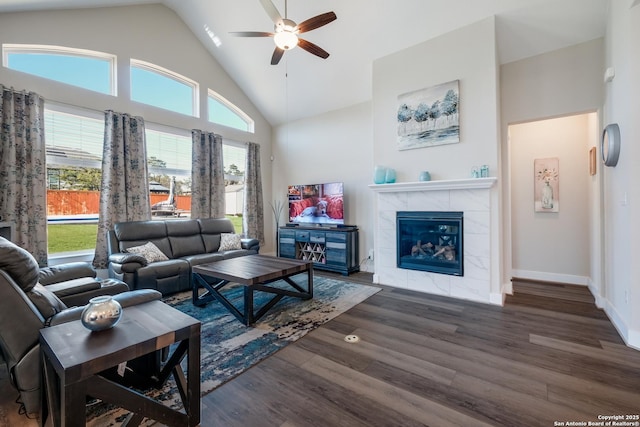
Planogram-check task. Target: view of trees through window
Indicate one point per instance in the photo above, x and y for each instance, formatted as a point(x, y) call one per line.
point(74, 147)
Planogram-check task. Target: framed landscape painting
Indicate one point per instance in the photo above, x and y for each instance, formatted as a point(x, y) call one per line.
point(429, 117)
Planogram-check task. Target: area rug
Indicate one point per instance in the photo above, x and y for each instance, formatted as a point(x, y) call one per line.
point(228, 347)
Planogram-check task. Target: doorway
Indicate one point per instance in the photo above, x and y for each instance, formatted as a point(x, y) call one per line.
point(562, 244)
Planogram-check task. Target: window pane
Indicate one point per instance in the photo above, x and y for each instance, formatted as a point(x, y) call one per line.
point(169, 161)
point(234, 158)
point(221, 114)
point(85, 72)
point(159, 90)
point(74, 153)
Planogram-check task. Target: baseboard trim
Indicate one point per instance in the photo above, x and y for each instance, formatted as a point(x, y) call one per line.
point(497, 299)
point(630, 337)
point(551, 277)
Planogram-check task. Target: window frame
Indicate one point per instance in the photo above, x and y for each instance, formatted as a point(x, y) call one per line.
point(153, 68)
point(35, 49)
point(233, 108)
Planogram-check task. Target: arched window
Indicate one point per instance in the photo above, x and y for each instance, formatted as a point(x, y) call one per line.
point(162, 88)
point(87, 69)
point(223, 112)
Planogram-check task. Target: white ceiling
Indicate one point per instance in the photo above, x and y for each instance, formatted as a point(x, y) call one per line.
point(304, 85)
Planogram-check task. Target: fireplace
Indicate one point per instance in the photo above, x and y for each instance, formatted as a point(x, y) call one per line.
point(430, 241)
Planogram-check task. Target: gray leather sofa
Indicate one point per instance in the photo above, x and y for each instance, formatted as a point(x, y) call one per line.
point(27, 305)
point(185, 242)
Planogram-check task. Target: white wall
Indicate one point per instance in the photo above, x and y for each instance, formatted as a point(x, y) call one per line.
point(468, 55)
point(548, 245)
point(152, 33)
point(620, 190)
point(335, 146)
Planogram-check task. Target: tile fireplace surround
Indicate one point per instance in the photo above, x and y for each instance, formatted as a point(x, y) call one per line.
point(473, 198)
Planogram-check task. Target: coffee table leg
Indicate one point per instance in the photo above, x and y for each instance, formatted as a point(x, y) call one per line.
point(248, 305)
point(310, 281)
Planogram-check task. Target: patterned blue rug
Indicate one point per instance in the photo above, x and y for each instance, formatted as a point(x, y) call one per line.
point(228, 347)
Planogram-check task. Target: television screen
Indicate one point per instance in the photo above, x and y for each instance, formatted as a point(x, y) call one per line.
point(316, 203)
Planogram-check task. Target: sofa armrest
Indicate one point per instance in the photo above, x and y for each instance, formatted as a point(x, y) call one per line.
point(126, 299)
point(250, 244)
point(75, 286)
point(125, 258)
point(64, 272)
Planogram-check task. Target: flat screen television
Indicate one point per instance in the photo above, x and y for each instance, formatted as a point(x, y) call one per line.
point(321, 204)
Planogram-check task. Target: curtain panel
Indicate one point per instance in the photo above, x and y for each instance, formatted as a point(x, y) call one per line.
point(207, 175)
point(23, 169)
point(253, 208)
point(124, 192)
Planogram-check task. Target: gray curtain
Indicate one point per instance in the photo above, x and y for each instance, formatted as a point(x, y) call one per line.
point(253, 209)
point(207, 175)
point(124, 192)
point(23, 169)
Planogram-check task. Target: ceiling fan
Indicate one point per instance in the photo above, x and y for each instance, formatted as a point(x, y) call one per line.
point(286, 31)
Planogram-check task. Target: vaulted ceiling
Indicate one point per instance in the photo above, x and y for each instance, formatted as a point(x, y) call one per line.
point(303, 85)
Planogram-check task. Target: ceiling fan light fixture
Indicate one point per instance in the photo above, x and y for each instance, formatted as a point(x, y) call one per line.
point(285, 40)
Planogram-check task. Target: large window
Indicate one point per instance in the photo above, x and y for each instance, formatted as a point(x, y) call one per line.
point(78, 67)
point(74, 139)
point(223, 112)
point(162, 88)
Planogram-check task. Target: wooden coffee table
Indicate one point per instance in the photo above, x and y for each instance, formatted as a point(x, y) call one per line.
point(255, 273)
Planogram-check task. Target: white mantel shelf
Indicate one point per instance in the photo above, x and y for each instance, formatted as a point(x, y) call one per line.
point(449, 184)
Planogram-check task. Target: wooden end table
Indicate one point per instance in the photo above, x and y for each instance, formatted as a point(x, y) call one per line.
point(254, 273)
point(76, 356)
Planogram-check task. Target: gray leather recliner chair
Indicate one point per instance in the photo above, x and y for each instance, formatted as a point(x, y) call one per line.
point(26, 306)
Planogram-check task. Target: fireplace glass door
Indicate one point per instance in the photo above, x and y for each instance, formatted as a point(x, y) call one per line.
point(430, 241)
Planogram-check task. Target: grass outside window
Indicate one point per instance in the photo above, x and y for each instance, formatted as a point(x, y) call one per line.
point(82, 237)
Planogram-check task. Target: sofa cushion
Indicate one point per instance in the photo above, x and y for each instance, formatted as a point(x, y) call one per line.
point(184, 237)
point(203, 258)
point(148, 251)
point(230, 241)
point(211, 228)
point(137, 233)
point(237, 253)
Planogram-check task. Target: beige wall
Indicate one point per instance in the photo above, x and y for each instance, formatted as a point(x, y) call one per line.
point(548, 245)
point(335, 146)
point(468, 55)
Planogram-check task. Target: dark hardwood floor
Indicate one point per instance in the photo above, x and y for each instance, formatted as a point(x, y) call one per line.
point(548, 356)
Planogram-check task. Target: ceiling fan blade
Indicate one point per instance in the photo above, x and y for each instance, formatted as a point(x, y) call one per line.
point(272, 11)
point(277, 55)
point(251, 34)
point(313, 48)
point(316, 22)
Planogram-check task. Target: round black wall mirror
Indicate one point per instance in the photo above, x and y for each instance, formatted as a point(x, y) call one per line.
point(610, 144)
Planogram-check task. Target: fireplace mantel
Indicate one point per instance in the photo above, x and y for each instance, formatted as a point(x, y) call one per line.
point(448, 184)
